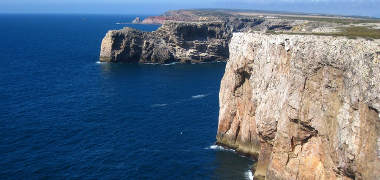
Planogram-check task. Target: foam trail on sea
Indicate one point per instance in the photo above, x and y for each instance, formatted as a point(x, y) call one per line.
point(151, 63)
point(249, 175)
point(199, 96)
point(219, 148)
point(173, 63)
point(98, 62)
point(159, 105)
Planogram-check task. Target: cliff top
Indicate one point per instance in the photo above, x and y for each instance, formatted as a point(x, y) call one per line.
point(298, 23)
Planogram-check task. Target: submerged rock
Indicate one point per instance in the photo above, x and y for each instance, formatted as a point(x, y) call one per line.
point(307, 107)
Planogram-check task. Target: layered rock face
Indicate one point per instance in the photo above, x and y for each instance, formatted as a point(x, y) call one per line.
point(174, 41)
point(178, 41)
point(307, 107)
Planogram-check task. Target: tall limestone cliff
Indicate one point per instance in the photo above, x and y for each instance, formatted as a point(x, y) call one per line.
point(307, 107)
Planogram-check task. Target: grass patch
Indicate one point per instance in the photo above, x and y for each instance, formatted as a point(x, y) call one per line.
point(352, 32)
point(360, 31)
point(344, 21)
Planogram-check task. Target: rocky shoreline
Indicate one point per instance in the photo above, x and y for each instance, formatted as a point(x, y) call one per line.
point(300, 96)
point(172, 42)
point(203, 35)
point(185, 42)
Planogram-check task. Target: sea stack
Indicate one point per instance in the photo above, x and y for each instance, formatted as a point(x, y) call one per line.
point(305, 106)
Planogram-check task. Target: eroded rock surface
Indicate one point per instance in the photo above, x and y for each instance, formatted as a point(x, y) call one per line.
point(199, 35)
point(179, 41)
point(307, 107)
point(174, 41)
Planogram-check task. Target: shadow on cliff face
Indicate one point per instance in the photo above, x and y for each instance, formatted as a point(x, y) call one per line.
point(200, 33)
point(192, 33)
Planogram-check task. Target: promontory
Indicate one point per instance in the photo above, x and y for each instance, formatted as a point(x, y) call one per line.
point(204, 35)
point(300, 93)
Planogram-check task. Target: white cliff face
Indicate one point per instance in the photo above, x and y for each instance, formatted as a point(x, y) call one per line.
point(306, 106)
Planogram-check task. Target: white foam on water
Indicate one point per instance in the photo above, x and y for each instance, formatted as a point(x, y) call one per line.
point(98, 62)
point(249, 175)
point(151, 63)
point(219, 148)
point(199, 96)
point(173, 63)
point(159, 105)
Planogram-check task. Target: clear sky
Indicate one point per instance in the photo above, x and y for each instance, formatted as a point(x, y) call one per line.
point(151, 7)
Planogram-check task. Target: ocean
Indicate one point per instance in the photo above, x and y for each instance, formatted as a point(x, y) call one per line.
point(64, 115)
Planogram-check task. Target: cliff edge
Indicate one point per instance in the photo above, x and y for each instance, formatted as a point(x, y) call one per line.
point(307, 107)
point(179, 41)
point(203, 35)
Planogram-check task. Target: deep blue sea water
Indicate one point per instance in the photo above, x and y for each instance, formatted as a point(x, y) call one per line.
point(65, 116)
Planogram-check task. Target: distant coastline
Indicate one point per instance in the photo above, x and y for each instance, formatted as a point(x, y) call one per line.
point(194, 36)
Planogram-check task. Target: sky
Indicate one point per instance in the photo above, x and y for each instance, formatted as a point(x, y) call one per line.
point(155, 7)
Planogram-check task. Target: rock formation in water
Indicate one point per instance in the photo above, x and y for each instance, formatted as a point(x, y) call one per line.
point(137, 20)
point(307, 107)
point(179, 41)
point(182, 42)
point(203, 35)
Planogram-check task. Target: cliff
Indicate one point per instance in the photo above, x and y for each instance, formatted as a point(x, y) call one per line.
point(173, 41)
point(178, 41)
point(204, 35)
point(306, 107)
point(190, 15)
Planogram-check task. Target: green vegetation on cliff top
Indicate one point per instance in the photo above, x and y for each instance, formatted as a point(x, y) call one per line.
point(351, 32)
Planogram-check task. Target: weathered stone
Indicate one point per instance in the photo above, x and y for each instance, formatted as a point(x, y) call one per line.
point(308, 106)
point(174, 41)
point(122, 44)
point(178, 41)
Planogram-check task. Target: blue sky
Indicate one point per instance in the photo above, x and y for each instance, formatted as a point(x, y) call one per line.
point(151, 7)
